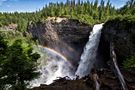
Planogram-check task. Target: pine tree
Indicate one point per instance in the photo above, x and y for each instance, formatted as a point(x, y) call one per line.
point(18, 65)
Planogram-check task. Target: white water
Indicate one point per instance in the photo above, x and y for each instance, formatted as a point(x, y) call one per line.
point(52, 66)
point(97, 86)
point(88, 56)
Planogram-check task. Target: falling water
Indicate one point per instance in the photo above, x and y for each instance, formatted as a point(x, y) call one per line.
point(88, 57)
point(52, 66)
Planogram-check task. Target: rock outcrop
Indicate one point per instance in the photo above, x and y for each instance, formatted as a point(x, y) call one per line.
point(9, 27)
point(69, 37)
point(122, 34)
point(107, 81)
point(66, 36)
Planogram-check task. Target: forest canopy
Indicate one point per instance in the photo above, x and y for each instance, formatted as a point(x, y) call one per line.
point(86, 11)
point(17, 58)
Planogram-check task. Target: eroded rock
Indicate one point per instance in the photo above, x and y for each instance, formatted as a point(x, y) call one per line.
point(66, 36)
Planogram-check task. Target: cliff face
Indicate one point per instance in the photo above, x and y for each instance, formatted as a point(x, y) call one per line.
point(66, 36)
point(122, 33)
point(69, 37)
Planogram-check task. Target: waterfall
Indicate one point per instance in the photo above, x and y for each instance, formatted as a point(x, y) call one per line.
point(88, 56)
point(54, 65)
point(51, 66)
point(120, 76)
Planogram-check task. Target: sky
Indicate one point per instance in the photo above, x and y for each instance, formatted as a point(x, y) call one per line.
point(35, 5)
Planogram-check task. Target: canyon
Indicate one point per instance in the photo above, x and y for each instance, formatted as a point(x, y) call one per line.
point(69, 36)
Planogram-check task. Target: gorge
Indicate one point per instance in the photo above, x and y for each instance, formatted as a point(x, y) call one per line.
point(60, 67)
point(67, 45)
point(52, 34)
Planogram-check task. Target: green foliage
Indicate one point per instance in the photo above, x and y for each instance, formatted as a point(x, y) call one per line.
point(22, 25)
point(17, 64)
point(125, 17)
point(21, 19)
point(129, 62)
point(95, 11)
point(126, 20)
point(128, 8)
point(84, 11)
point(3, 47)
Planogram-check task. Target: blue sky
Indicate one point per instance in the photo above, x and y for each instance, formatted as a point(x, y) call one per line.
point(33, 5)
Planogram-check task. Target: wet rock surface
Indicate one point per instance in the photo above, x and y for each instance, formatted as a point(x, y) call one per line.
point(107, 81)
point(66, 36)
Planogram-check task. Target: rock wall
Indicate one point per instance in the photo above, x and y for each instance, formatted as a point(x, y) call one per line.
point(107, 79)
point(69, 37)
point(66, 36)
point(122, 34)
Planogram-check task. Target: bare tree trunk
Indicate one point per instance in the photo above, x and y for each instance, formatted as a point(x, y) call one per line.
point(95, 79)
point(116, 68)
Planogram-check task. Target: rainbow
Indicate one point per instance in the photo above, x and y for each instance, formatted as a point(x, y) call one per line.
point(56, 53)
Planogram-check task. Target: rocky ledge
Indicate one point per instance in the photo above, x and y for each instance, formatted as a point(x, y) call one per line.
point(106, 78)
point(69, 37)
point(66, 36)
point(122, 33)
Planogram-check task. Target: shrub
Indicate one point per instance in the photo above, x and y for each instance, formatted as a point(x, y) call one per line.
point(129, 62)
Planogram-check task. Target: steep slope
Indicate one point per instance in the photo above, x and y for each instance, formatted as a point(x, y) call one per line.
point(120, 31)
point(66, 36)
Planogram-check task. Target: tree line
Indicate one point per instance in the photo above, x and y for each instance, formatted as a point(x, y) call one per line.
point(83, 10)
point(86, 11)
point(18, 62)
